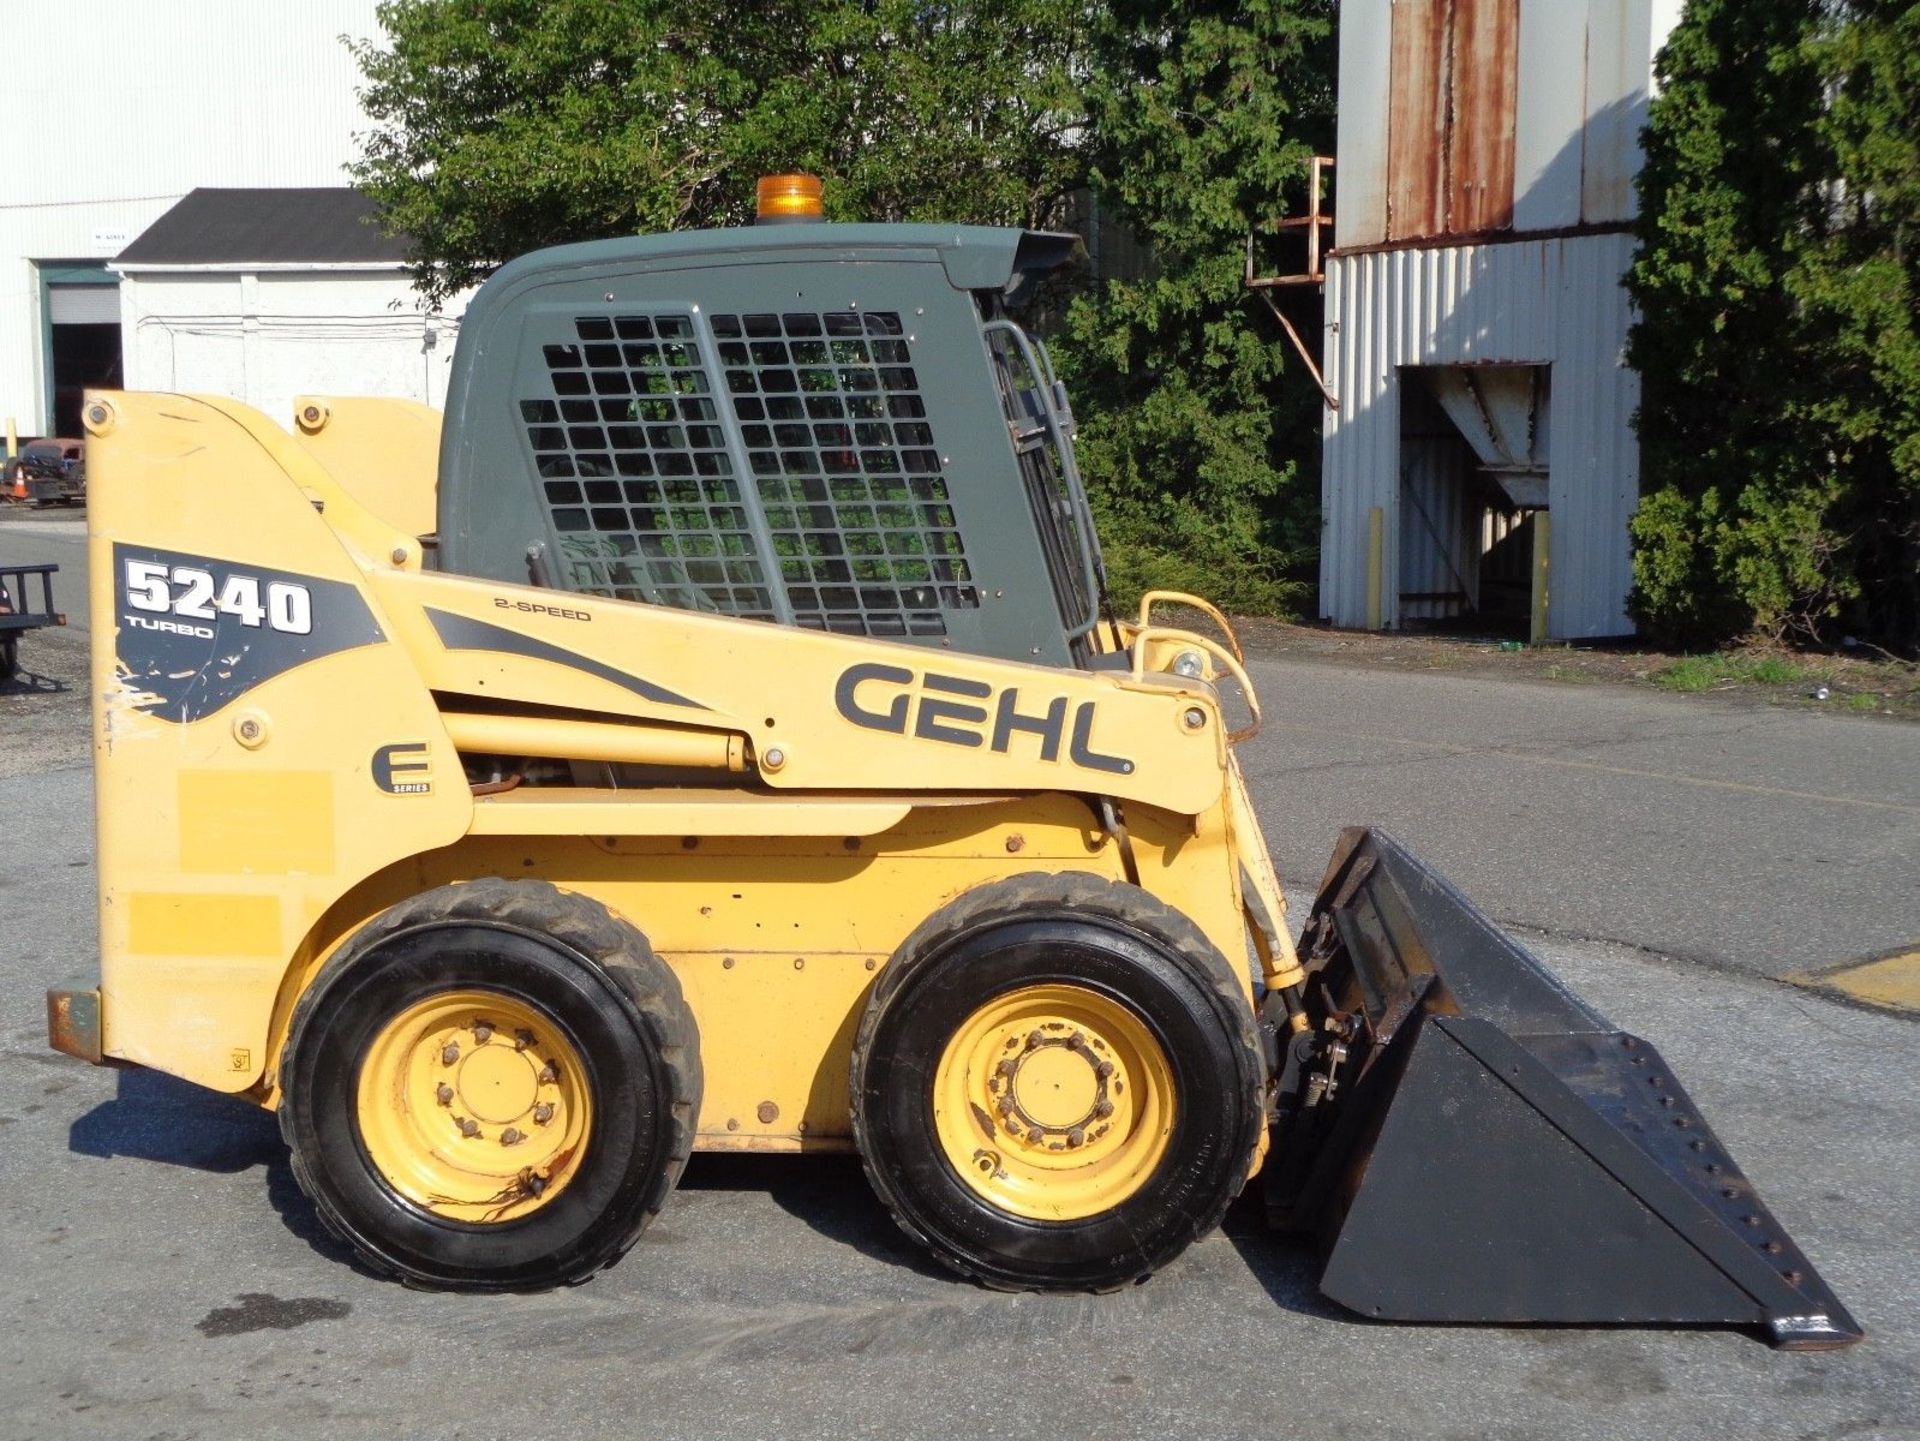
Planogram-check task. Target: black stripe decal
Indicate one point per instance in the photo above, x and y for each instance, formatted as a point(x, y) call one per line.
point(192, 634)
point(460, 632)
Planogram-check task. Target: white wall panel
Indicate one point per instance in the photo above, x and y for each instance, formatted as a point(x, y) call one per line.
point(1620, 46)
point(153, 100)
point(1549, 110)
point(1360, 177)
point(266, 338)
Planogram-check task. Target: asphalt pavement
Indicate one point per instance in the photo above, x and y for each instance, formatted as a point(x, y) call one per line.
point(1759, 838)
point(60, 536)
point(162, 1275)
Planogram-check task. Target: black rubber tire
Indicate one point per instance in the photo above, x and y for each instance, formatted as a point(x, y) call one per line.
point(1088, 931)
point(623, 1013)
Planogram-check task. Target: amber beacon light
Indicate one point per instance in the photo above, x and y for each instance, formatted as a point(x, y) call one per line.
point(785, 198)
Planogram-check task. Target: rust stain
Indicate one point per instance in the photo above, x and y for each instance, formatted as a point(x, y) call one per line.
point(73, 1024)
point(1451, 115)
point(1417, 118)
point(1486, 36)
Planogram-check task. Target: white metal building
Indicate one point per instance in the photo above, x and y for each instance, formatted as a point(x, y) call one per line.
point(267, 294)
point(1475, 320)
point(131, 106)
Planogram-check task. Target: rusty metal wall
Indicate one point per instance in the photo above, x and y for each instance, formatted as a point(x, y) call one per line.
point(1554, 302)
point(1450, 117)
point(1469, 116)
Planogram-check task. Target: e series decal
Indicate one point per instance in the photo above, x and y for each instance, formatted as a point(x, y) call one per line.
point(403, 769)
point(195, 633)
point(882, 697)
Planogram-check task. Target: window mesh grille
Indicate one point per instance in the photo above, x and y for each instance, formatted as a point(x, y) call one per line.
point(844, 463)
point(637, 477)
point(635, 471)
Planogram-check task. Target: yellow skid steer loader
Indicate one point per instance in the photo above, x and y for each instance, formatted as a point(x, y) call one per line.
point(712, 735)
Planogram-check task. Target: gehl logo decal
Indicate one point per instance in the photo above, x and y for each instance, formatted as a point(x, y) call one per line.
point(883, 698)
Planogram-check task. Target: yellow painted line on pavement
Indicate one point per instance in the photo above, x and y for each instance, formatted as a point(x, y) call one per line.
point(1635, 772)
point(1891, 981)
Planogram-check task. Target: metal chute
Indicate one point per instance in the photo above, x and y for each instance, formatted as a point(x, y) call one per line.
point(1472, 1142)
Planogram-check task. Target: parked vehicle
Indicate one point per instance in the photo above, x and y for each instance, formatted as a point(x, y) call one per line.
point(51, 471)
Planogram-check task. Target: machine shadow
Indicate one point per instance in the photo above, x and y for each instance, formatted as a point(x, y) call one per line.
point(160, 1118)
point(829, 1194)
point(1286, 1267)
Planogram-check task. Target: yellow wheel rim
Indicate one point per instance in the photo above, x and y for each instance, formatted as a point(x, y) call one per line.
point(1054, 1102)
point(474, 1106)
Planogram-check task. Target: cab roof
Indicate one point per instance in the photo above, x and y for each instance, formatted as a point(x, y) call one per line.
point(975, 257)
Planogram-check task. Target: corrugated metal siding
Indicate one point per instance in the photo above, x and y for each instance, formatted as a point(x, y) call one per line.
point(1439, 531)
point(1541, 302)
point(158, 99)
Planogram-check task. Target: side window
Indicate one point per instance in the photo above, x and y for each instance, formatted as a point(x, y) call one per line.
point(634, 470)
point(844, 463)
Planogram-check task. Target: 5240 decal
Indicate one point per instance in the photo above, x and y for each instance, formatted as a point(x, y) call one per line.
point(193, 593)
point(194, 633)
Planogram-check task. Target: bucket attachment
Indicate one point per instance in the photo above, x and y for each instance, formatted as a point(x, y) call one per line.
point(1472, 1142)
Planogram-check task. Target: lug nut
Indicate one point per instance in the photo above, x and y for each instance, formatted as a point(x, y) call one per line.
point(1076, 1137)
point(449, 1053)
point(469, 1127)
point(1103, 1070)
point(482, 1032)
point(549, 1073)
point(511, 1137)
point(536, 1184)
point(443, 1093)
point(543, 1113)
point(522, 1039)
point(1103, 1108)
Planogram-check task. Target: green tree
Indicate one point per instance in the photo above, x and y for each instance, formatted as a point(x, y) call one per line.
point(504, 125)
point(1203, 119)
point(1780, 300)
